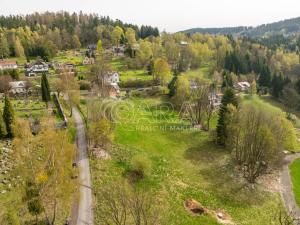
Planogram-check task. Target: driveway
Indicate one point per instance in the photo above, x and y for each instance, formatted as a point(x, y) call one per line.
point(287, 186)
point(85, 205)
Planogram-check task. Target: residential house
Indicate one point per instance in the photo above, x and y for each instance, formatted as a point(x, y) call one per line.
point(88, 61)
point(215, 99)
point(112, 79)
point(92, 47)
point(66, 66)
point(183, 43)
point(37, 67)
point(242, 86)
point(114, 91)
point(8, 64)
point(69, 65)
point(91, 50)
point(118, 50)
point(18, 87)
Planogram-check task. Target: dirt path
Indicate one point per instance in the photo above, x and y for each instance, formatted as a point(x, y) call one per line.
point(287, 186)
point(85, 205)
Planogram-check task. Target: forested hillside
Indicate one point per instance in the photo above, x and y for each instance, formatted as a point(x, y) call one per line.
point(47, 33)
point(285, 27)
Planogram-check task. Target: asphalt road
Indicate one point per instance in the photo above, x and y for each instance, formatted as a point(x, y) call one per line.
point(85, 205)
point(287, 187)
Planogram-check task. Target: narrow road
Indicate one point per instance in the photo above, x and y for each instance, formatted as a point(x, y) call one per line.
point(85, 205)
point(287, 186)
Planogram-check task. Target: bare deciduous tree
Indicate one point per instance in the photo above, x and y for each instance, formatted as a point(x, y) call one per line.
point(4, 83)
point(256, 139)
point(99, 73)
point(121, 204)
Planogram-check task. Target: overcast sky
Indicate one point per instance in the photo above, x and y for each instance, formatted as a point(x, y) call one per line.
point(169, 15)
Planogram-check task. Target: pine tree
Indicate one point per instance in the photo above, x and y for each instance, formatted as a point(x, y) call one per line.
point(265, 76)
point(45, 88)
point(3, 132)
point(228, 98)
point(172, 86)
point(4, 47)
point(8, 117)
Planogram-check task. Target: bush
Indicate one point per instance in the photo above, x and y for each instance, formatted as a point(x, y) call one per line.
point(140, 166)
point(292, 117)
point(84, 85)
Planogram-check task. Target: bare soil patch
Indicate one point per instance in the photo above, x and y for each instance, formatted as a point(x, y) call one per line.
point(194, 207)
point(197, 209)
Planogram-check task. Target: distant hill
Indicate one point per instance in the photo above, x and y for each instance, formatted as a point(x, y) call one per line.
point(285, 27)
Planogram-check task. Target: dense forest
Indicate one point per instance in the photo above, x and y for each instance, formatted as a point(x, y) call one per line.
point(44, 34)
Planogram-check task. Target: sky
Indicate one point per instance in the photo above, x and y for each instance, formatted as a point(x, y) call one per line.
point(168, 15)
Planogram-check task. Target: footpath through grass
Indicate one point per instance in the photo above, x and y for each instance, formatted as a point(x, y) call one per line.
point(185, 164)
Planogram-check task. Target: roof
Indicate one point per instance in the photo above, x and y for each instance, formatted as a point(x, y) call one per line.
point(244, 84)
point(17, 84)
point(38, 62)
point(115, 86)
point(8, 62)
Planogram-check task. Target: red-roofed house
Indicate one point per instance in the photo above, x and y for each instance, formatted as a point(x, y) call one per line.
point(8, 64)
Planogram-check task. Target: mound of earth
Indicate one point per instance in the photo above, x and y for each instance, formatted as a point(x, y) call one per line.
point(197, 209)
point(223, 217)
point(194, 207)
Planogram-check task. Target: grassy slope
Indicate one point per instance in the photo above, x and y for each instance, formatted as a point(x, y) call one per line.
point(202, 72)
point(129, 74)
point(295, 174)
point(185, 164)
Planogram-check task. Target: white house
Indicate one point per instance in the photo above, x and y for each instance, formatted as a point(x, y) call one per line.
point(88, 61)
point(8, 64)
point(183, 43)
point(215, 99)
point(112, 78)
point(37, 67)
point(17, 87)
point(242, 86)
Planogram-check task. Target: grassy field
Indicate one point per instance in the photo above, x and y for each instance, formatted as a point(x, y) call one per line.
point(295, 175)
point(185, 164)
point(202, 72)
point(129, 74)
point(69, 56)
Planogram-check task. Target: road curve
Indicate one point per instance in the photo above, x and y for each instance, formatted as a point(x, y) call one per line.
point(287, 186)
point(85, 205)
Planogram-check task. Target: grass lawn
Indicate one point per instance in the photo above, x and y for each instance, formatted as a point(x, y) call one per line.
point(202, 72)
point(129, 74)
point(69, 56)
point(185, 164)
point(295, 176)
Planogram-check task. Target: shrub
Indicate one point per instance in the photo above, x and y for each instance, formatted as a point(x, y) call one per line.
point(140, 166)
point(84, 85)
